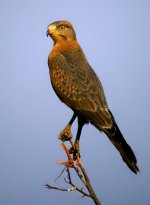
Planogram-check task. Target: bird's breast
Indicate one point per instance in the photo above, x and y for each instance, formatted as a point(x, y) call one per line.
point(61, 81)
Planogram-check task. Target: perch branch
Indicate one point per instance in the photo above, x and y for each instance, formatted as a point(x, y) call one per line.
point(81, 173)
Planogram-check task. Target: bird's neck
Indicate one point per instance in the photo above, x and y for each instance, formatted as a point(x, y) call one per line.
point(64, 46)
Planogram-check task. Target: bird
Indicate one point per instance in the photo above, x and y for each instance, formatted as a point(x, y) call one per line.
point(77, 85)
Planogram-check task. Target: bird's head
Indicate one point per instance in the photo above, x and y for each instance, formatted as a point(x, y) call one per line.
point(61, 30)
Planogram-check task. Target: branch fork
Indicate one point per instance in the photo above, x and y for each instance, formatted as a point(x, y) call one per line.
point(81, 173)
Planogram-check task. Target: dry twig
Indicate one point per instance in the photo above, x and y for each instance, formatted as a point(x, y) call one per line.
point(81, 173)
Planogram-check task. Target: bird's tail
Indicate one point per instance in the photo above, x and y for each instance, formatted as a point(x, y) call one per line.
point(116, 137)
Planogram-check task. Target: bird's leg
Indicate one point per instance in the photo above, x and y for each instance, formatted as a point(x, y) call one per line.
point(66, 135)
point(75, 150)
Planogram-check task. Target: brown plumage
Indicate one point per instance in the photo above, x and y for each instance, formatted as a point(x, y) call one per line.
point(77, 85)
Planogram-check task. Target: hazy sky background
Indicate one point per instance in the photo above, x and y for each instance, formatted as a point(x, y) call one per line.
point(115, 38)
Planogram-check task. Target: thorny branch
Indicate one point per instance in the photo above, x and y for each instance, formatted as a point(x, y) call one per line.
point(81, 173)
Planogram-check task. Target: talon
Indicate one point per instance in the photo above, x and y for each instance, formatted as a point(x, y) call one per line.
point(75, 151)
point(71, 150)
point(65, 135)
point(75, 155)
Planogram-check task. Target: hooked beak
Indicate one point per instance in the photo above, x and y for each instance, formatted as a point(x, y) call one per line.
point(51, 30)
point(47, 33)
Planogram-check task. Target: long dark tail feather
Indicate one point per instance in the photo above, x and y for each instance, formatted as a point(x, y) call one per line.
point(116, 137)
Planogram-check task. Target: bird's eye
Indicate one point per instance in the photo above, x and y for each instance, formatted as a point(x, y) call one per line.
point(61, 27)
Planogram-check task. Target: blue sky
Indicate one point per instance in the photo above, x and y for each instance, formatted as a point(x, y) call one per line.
point(115, 38)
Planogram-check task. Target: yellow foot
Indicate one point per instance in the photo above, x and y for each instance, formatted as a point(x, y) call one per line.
point(75, 150)
point(65, 135)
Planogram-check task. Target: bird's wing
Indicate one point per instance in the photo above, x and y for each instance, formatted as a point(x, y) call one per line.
point(77, 85)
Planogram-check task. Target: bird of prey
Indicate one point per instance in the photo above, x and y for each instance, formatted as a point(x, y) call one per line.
point(77, 85)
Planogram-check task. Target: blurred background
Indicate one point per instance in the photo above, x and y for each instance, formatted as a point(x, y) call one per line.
point(115, 38)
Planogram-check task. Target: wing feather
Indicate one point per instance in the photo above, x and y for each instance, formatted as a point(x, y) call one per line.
point(77, 85)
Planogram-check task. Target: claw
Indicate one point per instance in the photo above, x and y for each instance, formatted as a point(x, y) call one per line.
point(65, 135)
point(75, 151)
point(71, 150)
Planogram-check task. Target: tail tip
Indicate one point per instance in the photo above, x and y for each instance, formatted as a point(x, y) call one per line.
point(134, 168)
